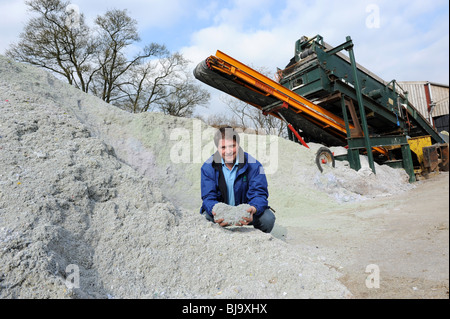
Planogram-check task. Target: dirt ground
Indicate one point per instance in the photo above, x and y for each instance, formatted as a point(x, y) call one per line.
point(406, 237)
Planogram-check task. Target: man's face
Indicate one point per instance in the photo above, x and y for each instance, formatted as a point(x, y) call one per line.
point(227, 149)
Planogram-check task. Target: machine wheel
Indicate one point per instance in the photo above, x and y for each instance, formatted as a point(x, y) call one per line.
point(324, 157)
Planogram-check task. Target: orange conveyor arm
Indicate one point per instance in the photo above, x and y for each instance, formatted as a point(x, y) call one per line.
point(228, 65)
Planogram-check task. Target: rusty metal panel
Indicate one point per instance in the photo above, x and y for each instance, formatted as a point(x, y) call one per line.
point(444, 160)
point(430, 158)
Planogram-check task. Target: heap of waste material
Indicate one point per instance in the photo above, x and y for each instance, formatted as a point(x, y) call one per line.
point(96, 202)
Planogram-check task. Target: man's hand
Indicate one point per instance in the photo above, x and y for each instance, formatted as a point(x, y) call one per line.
point(245, 220)
point(219, 221)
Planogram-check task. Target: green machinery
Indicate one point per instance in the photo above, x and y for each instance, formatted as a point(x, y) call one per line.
point(330, 99)
point(383, 116)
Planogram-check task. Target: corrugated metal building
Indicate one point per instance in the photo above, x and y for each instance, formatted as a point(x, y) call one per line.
point(431, 100)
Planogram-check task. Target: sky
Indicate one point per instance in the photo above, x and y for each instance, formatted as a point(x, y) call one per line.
point(405, 40)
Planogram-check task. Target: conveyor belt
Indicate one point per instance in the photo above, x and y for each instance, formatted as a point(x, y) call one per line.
point(232, 77)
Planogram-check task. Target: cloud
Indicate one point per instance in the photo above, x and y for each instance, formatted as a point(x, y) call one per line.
point(408, 42)
point(149, 14)
point(12, 22)
point(269, 38)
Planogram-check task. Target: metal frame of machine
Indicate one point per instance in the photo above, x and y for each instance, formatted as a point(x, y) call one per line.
point(315, 94)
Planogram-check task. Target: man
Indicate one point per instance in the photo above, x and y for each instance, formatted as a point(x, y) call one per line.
point(234, 177)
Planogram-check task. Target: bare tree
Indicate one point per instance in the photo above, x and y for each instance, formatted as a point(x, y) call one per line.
point(117, 31)
point(49, 41)
point(98, 62)
point(249, 116)
point(182, 97)
point(146, 83)
point(163, 84)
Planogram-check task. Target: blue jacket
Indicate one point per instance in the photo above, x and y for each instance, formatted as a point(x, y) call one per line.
point(250, 186)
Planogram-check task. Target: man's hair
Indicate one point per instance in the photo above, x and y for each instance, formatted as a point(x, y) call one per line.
point(226, 133)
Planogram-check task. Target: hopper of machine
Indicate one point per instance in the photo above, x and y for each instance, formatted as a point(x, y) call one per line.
point(323, 74)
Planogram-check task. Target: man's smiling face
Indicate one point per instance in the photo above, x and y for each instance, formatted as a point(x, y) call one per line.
point(227, 149)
